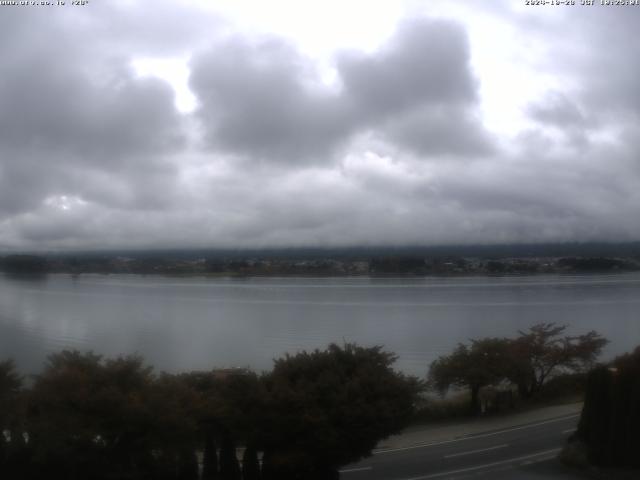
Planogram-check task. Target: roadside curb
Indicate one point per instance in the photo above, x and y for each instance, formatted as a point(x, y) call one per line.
point(422, 437)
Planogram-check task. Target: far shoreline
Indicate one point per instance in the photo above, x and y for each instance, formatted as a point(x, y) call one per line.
point(382, 266)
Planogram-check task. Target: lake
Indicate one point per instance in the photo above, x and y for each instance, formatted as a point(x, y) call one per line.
point(181, 324)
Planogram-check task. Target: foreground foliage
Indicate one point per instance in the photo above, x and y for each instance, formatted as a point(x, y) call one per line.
point(610, 418)
point(89, 417)
point(337, 404)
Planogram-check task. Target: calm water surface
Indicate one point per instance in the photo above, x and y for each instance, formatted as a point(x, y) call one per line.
point(196, 323)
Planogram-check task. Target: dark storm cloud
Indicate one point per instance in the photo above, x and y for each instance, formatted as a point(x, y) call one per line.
point(556, 110)
point(418, 90)
point(66, 111)
point(448, 131)
point(264, 100)
point(426, 62)
point(72, 113)
point(258, 100)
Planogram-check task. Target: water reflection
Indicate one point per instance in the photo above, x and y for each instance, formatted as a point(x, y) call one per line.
point(180, 324)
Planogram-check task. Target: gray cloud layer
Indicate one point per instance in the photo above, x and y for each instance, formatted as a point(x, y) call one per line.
point(394, 151)
point(264, 100)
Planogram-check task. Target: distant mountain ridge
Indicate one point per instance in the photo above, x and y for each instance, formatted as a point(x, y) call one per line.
point(522, 250)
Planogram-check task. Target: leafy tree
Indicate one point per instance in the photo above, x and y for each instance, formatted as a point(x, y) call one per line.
point(329, 408)
point(475, 366)
point(238, 401)
point(62, 425)
point(91, 418)
point(527, 361)
point(541, 352)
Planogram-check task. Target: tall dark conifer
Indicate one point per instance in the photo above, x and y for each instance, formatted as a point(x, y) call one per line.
point(187, 465)
point(229, 466)
point(610, 419)
point(266, 470)
point(250, 464)
point(210, 458)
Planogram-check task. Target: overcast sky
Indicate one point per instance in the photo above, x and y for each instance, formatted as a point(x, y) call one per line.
point(249, 123)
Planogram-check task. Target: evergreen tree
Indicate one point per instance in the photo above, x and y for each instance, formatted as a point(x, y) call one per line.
point(610, 419)
point(210, 458)
point(229, 466)
point(11, 413)
point(250, 464)
point(187, 465)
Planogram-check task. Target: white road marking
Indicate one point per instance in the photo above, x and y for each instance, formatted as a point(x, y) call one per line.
point(488, 465)
point(471, 452)
point(361, 469)
point(569, 430)
point(472, 437)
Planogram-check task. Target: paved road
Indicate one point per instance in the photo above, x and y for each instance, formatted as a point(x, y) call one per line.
point(526, 451)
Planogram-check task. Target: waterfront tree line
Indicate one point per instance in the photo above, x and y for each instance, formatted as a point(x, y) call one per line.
point(85, 416)
point(266, 264)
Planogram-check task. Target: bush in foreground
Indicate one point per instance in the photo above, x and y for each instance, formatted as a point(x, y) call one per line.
point(90, 417)
point(337, 404)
